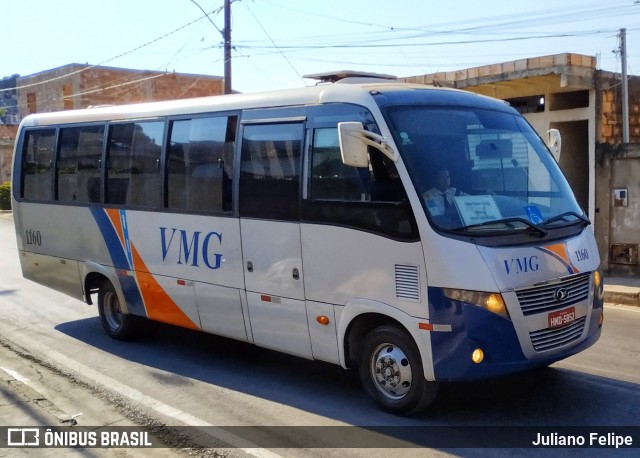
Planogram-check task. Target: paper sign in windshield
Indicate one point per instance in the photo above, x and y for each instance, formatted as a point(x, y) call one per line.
point(477, 209)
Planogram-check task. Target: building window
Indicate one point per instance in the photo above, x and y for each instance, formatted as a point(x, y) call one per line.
point(67, 97)
point(531, 104)
point(32, 106)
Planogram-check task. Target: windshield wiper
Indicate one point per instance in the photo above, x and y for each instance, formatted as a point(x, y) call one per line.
point(563, 217)
point(506, 221)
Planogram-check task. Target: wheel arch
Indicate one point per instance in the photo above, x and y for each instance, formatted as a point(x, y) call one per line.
point(95, 275)
point(358, 328)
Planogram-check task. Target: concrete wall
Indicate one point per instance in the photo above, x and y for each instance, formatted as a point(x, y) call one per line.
point(7, 139)
point(6, 153)
point(616, 224)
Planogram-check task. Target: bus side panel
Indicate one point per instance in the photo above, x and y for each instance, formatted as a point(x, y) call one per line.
point(197, 260)
point(323, 332)
point(220, 310)
point(55, 238)
point(342, 263)
point(199, 248)
point(54, 272)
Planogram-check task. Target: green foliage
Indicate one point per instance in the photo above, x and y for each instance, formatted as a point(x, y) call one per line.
point(9, 82)
point(5, 196)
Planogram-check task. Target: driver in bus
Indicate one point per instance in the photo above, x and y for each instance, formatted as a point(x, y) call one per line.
point(440, 198)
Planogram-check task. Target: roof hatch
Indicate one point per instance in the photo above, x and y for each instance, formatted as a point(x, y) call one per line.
point(349, 76)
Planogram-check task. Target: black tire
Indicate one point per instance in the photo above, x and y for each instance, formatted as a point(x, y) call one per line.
point(392, 374)
point(117, 324)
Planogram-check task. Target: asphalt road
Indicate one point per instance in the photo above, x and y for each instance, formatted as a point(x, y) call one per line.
point(181, 377)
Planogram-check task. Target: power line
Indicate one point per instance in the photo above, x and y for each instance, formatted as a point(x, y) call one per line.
point(439, 43)
point(276, 46)
point(137, 48)
point(207, 15)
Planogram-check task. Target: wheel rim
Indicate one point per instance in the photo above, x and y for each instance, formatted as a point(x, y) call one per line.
point(112, 312)
point(391, 371)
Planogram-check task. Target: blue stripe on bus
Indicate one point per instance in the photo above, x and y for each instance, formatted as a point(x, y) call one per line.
point(120, 260)
point(118, 256)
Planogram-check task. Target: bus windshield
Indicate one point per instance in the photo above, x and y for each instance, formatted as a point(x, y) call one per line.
point(481, 170)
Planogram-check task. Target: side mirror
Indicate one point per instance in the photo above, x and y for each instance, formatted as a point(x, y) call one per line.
point(554, 143)
point(354, 140)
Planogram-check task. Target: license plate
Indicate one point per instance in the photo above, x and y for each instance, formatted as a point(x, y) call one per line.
point(561, 318)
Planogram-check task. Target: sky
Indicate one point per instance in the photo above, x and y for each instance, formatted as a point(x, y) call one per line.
point(276, 42)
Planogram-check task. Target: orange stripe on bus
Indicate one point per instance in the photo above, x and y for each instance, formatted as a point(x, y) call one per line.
point(560, 250)
point(159, 305)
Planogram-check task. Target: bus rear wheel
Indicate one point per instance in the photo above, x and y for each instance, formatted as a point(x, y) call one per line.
point(117, 324)
point(391, 372)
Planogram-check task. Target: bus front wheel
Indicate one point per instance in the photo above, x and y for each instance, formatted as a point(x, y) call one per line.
point(117, 324)
point(391, 372)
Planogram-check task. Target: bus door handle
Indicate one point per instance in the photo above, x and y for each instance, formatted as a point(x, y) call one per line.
point(296, 273)
point(249, 266)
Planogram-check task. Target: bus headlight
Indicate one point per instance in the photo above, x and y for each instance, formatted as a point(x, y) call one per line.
point(492, 302)
point(597, 283)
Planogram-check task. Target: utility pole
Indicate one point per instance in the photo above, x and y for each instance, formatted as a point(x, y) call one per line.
point(625, 86)
point(227, 47)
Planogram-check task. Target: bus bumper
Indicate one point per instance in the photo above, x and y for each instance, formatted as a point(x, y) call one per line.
point(474, 328)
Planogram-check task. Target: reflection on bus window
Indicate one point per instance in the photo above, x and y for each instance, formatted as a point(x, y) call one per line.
point(78, 166)
point(37, 164)
point(133, 170)
point(370, 198)
point(200, 164)
point(270, 171)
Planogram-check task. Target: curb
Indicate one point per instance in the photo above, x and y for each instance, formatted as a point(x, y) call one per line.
point(622, 297)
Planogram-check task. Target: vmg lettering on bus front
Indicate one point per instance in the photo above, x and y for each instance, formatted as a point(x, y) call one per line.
point(521, 265)
point(189, 248)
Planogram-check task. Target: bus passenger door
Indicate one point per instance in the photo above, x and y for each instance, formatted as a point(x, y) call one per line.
point(270, 232)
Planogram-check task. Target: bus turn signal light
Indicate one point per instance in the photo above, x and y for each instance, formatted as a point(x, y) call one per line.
point(324, 320)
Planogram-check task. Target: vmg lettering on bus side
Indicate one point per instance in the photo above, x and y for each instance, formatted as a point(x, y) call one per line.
point(521, 265)
point(189, 248)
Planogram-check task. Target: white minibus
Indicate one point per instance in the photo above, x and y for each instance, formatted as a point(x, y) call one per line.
point(415, 234)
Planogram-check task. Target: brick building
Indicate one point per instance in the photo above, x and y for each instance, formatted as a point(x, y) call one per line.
point(76, 86)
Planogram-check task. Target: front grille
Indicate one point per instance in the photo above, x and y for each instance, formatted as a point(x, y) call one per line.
point(542, 298)
point(548, 339)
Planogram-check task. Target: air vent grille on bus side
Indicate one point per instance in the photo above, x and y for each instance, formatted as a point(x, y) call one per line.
point(407, 282)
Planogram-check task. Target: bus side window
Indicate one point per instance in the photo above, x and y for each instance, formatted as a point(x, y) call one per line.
point(370, 198)
point(270, 171)
point(133, 164)
point(331, 179)
point(37, 161)
point(78, 165)
point(200, 164)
